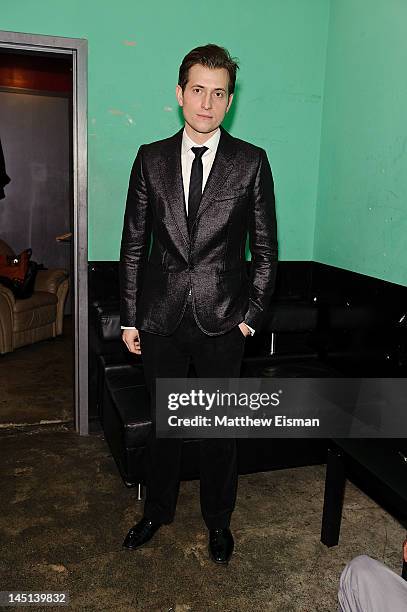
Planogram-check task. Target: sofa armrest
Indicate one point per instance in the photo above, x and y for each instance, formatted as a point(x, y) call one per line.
point(50, 280)
point(7, 296)
point(6, 319)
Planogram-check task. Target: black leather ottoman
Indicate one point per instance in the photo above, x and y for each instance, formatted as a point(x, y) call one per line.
point(126, 423)
point(125, 416)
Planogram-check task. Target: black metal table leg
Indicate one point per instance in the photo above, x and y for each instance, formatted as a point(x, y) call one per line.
point(333, 497)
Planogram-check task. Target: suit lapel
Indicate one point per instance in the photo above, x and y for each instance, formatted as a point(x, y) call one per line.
point(171, 173)
point(221, 168)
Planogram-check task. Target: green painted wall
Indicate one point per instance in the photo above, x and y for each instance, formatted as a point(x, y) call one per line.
point(135, 48)
point(361, 221)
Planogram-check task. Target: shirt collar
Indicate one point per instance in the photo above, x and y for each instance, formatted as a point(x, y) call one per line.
point(188, 143)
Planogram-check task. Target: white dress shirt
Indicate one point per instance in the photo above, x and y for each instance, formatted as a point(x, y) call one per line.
point(187, 157)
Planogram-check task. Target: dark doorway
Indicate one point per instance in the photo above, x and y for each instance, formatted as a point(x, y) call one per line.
point(37, 213)
point(76, 49)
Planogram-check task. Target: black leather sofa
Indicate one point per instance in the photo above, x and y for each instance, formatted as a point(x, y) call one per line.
point(321, 322)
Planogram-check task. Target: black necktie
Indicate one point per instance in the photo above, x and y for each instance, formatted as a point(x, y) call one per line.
point(195, 184)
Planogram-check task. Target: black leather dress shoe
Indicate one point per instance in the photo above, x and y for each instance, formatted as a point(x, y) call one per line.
point(221, 545)
point(140, 534)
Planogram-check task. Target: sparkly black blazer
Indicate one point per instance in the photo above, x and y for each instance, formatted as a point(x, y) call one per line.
point(238, 198)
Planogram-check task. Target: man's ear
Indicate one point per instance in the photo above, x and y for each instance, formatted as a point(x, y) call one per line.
point(179, 94)
point(230, 102)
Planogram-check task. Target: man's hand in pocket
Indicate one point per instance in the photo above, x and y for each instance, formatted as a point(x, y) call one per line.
point(131, 338)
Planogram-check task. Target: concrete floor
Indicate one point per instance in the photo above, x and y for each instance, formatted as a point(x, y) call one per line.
point(64, 512)
point(36, 382)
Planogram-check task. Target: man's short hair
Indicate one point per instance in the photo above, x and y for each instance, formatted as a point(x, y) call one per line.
point(210, 56)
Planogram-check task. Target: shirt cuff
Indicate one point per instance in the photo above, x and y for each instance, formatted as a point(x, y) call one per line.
point(250, 328)
point(124, 327)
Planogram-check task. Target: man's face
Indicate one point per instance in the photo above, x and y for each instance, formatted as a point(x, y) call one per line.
point(205, 101)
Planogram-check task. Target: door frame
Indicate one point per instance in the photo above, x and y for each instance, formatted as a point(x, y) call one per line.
point(77, 48)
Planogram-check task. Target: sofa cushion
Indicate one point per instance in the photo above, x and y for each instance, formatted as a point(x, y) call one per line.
point(38, 299)
point(106, 316)
point(301, 368)
point(38, 310)
point(289, 316)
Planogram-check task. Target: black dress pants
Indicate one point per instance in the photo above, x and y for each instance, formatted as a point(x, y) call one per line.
point(170, 357)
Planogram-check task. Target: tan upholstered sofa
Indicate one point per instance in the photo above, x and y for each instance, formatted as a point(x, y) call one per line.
point(35, 318)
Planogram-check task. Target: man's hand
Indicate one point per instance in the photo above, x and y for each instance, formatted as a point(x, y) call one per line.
point(244, 329)
point(405, 550)
point(131, 338)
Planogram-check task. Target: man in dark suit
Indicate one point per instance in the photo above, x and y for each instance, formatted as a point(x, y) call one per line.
point(198, 193)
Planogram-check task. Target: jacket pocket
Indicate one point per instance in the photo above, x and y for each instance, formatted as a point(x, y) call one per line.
point(235, 194)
